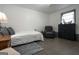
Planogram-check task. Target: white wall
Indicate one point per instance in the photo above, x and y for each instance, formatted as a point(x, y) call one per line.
point(23, 19)
point(55, 18)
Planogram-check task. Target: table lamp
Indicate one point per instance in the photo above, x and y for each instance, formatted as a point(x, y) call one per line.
point(3, 18)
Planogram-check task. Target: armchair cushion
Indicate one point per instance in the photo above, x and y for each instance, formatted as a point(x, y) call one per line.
point(49, 32)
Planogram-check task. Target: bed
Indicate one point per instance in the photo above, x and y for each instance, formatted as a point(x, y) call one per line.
point(25, 37)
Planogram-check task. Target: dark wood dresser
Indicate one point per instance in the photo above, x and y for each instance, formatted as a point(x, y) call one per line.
point(67, 31)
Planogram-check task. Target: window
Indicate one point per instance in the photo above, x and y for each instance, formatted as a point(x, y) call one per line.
point(68, 17)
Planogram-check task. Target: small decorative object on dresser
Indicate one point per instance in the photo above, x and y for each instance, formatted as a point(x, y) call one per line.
point(5, 41)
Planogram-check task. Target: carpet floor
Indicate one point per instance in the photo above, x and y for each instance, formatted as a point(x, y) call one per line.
point(58, 46)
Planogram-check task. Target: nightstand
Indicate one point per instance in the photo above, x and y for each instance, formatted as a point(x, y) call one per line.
point(5, 41)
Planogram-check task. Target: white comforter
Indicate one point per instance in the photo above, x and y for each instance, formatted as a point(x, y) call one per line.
point(25, 37)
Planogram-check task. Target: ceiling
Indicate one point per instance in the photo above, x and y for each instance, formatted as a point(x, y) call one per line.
point(46, 8)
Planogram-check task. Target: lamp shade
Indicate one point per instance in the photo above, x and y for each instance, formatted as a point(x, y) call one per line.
point(3, 18)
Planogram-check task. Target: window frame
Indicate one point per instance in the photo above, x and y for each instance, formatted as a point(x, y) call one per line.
point(74, 10)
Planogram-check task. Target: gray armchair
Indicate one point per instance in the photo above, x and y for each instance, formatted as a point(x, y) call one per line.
point(49, 32)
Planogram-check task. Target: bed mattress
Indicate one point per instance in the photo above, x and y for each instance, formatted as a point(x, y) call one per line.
point(25, 37)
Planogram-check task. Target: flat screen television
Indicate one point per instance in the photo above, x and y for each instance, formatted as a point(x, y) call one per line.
point(68, 17)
